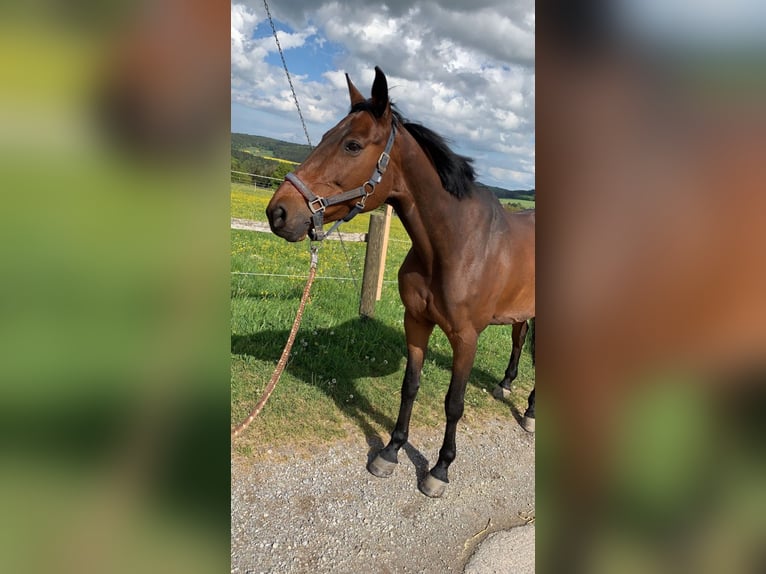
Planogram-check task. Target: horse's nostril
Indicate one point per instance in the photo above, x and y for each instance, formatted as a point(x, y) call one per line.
point(277, 217)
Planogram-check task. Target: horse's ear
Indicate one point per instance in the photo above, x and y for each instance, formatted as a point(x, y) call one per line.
point(379, 93)
point(354, 94)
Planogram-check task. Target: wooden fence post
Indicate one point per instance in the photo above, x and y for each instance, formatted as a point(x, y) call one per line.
point(384, 251)
point(372, 264)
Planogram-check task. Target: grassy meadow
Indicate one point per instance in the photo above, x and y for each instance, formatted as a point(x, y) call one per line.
point(524, 203)
point(345, 371)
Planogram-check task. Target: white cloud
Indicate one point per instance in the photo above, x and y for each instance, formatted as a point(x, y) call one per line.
point(512, 175)
point(466, 70)
point(487, 31)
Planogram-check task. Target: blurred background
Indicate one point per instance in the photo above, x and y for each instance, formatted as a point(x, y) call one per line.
point(114, 344)
point(651, 348)
point(114, 375)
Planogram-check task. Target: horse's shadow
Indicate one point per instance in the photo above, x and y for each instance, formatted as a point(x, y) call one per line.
point(365, 347)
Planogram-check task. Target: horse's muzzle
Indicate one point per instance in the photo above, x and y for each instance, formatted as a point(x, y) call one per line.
point(286, 220)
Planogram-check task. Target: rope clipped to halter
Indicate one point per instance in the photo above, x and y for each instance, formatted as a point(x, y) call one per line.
point(318, 204)
point(282, 363)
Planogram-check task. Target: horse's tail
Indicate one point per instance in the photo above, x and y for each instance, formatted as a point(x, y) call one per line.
point(532, 338)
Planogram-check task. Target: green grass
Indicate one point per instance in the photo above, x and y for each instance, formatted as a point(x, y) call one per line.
point(345, 372)
point(524, 203)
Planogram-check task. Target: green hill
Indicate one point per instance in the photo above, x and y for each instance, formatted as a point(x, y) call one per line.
point(269, 147)
point(254, 154)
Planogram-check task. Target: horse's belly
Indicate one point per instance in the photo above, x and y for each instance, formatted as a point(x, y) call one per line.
point(515, 305)
point(510, 318)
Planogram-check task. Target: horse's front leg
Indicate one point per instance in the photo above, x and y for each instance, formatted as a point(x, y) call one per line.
point(417, 334)
point(464, 352)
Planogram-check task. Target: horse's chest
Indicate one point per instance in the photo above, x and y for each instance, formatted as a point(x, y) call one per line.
point(416, 295)
point(441, 294)
point(428, 299)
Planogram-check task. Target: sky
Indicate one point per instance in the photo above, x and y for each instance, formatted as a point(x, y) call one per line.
point(464, 69)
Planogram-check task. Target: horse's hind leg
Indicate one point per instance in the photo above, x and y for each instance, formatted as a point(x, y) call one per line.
point(464, 352)
point(528, 422)
point(518, 336)
point(417, 334)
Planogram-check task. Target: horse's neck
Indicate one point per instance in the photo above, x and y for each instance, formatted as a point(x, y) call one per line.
point(428, 212)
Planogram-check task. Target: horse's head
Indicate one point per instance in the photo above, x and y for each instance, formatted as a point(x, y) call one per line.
point(345, 174)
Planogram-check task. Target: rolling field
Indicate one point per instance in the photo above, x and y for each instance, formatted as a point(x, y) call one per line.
point(524, 203)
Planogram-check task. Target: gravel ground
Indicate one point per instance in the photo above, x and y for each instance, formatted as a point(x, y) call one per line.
point(492, 555)
point(324, 512)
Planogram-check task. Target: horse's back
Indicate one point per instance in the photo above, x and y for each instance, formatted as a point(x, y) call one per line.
point(521, 225)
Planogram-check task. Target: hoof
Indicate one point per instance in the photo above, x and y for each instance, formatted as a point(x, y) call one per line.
point(432, 486)
point(500, 392)
point(528, 424)
point(381, 467)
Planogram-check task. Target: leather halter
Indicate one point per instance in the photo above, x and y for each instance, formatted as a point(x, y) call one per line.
point(318, 204)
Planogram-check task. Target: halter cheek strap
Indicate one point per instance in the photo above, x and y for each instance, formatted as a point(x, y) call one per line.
point(318, 204)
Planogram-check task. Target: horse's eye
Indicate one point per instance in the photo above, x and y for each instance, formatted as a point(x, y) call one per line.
point(353, 147)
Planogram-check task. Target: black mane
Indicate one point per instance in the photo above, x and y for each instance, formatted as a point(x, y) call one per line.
point(455, 171)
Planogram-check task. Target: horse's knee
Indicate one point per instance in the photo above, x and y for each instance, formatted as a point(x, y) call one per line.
point(453, 410)
point(410, 391)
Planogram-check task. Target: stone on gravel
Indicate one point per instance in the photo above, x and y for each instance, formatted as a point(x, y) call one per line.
point(505, 552)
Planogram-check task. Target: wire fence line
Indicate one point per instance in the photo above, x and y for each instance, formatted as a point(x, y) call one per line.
point(255, 179)
point(263, 227)
point(257, 175)
point(287, 276)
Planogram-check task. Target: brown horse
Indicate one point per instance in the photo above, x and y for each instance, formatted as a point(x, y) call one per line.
point(472, 263)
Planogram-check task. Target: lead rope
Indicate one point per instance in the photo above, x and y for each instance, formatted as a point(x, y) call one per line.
point(282, 363)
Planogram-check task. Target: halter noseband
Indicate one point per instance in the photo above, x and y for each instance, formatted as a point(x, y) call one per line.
point(317, 204)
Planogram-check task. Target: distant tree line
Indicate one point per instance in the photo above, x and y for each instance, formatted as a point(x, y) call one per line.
point(528, 194)
point(249, 163)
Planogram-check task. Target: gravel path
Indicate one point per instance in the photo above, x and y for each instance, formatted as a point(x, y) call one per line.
point(324, 512)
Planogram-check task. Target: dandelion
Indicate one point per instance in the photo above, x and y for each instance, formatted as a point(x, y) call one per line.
point(385, 361)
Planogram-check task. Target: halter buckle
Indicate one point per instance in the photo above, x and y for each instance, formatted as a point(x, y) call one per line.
point(319, 201)
point(383, 162)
